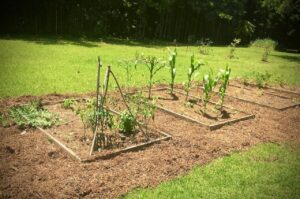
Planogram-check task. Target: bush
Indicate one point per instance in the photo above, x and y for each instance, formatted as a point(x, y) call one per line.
point(264, 43)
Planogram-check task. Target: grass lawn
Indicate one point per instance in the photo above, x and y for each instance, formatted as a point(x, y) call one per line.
point(41, 66)
point(265, 171)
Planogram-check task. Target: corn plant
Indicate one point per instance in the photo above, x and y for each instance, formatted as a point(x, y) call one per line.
point(172, 65)
point(154, 64)
point(223, 77)
point(233, 45)
point(209, 83)
point(191, 74)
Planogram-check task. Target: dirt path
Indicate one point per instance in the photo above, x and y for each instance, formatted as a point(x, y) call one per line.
point(33, 167)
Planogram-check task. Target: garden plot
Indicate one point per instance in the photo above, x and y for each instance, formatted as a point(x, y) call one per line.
point(281, 92)
point(269, 98)
point(175, 104)
point(75, 139)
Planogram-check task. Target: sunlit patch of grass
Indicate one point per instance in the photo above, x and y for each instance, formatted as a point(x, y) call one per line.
point(42, 66)
point(265, 171)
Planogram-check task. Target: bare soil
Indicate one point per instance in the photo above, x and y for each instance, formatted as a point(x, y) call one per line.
point(268, 97)
point(71, 133)
point(176, 102)
point(33, 167)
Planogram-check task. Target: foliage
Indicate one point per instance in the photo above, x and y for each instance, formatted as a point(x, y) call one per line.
point(129, 65)
point(4, 120)
point(204, 46)
point(128, 123)
point(32, 115)
point(261, 79)
point(154, 64)
point(209, 83)
point(267, 44)
point(172, 65)
point(264, 43)
point(223, 77)
point(191, 74)
point(69, 103)
point(233, 45)
point(143, 106)
point(87, 113)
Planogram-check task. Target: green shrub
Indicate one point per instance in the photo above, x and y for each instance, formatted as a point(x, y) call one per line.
point(267, 44)
point(264, 43)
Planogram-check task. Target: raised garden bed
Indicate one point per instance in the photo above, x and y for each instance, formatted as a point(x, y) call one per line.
point(175, 105)
point(70, 135)
point(266, 97)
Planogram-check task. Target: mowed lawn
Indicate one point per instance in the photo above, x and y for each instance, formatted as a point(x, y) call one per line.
point(41, 66)
point(265, 171)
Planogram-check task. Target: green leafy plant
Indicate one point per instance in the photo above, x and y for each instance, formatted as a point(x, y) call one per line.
point(223, 78)
point(267, 45)
point(209, 83)
point(32, 115)
point(129, 65)
point(4, 120)
point(154, 64)
point(191, 74)
point(261, 79)
point(172, 65)
point(204, 46)
point(232, 49)
point(88, 114)
point(69, 103)
point(128, 123)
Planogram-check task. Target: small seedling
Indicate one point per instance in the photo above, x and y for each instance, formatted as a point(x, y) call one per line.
point(204, 46)
point(129, 65)
point(69, 103)
point(232, 46)
point(262, 79)
point(191, 74)
point(172, 68)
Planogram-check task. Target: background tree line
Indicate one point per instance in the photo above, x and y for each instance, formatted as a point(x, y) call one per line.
point(183, 20)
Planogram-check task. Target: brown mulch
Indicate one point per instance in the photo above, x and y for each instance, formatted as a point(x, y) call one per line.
point(33, 167)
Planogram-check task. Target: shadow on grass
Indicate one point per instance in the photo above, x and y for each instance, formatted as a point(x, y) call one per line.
point(88, 42)
point(293, 58)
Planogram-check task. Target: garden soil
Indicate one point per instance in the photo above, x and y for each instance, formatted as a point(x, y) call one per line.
point(34, 167)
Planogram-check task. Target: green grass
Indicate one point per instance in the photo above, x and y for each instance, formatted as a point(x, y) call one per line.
point(41, 66)
point(265, 171)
